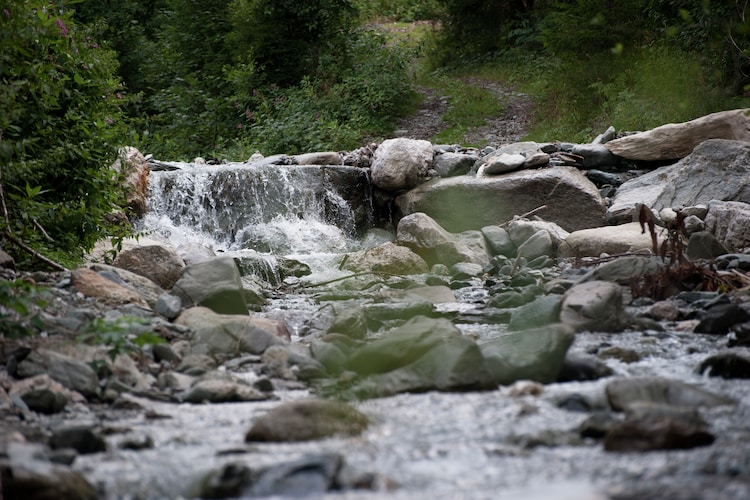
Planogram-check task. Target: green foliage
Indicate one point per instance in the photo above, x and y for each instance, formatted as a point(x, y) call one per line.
point(121, 335)
point(60, 126)
point(398, 10)
point(19, 308)
point(470, 105)
point(472, 28)
point(287, 39)
point(357, 93)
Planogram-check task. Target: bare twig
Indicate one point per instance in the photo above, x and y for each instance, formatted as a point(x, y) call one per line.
point(39, 226)
point(23, 246)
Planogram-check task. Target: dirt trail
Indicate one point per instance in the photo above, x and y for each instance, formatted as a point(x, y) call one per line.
point(508, 127)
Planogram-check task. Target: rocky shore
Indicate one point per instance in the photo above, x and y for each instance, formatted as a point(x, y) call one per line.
point(528, 303)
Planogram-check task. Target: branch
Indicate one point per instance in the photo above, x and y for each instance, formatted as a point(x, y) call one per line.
point(23, 246)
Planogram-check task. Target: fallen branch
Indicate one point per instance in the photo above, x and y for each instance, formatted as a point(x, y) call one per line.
point(23, 246)
point(342, 278)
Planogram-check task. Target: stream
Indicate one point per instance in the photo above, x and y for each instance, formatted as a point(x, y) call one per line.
point(515, 442)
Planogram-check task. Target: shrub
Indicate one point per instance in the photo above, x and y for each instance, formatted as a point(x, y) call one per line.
point(60, 127)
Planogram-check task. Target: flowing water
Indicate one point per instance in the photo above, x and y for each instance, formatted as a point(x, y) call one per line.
point(505, 443)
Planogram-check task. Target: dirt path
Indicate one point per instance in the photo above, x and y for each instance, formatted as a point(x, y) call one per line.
point(508, 127)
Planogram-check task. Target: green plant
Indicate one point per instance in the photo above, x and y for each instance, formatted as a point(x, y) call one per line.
point(60, 126)
point(20, 303)
point(120, 335)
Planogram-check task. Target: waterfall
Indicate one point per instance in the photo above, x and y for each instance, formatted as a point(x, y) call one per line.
point(271, 209)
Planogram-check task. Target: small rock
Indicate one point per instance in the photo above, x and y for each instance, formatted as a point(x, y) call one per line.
point(82, 438)
point(726, 365)
point(307, 420)
point(720, 318)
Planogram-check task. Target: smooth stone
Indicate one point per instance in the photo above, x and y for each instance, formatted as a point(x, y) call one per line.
point(594, 306)
point(726, 365)
point(624, 392)
point(307, 420)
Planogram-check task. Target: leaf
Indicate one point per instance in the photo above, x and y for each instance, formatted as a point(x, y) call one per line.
point(78, 79)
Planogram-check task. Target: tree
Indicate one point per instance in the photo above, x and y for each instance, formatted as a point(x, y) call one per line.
point(60, 128)
point(286, 39)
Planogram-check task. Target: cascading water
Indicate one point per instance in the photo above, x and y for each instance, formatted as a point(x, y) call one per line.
point(309, 213)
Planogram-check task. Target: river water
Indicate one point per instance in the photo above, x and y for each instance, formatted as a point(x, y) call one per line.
point(510, 443)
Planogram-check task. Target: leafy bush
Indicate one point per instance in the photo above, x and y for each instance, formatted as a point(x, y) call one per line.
point(19, 308)
point(60, 127)
point(356, 93)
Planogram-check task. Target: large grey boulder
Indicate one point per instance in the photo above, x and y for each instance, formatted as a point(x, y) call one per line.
point(730, 223)
point(717, 169)
point(422, 354)
point(610, 240)
point(134, 171)
point(387, 258)
point(72, 373)
point(146, 288)
point(594, 306)
point(160, 264)
point(426, 237)
point(536, 354)
point(215, 283)
point(452, 164)
point(677, 140)
point(401, 163)
point(462, 203)
point(231, 334)
point(624, 270)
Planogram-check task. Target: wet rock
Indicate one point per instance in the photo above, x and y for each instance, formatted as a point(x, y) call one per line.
point(349, 319)
point(498, 241)
point(462, 203)
point(625, 392)
point(511, 299)
point(598, 424)
point(402, 346)
point(520, 230)
point(307, 420)
point(465, 270)
point(387, 258)
point(537, 354)
point(594, 306)
point(677, 140)
point(91, 284)
point(319, 158)
point(716, 170)
point(6, 261)
point(730, 222)
point(231, 333)
point(216, 388)
point(620, 353)
point(70, 372)
point(500, 163)
point(541, 311)
point(134, 170)
point(540, 243)
point(704, 245)
point(23, 474)
point(726, 365)
point(382, 313)
point(720, 318)
point(42, 394)
point(611, 240)
point(215, 284)
point(579, 367)
point(452, 364)
point(624, 269)
point(193, 252)
point(85, 439)
point(658, 431)
point(401, 163)
point(147, 289)
point(158, 263)
point(452, 164)
point(741, 336)
point(739, 261)
point(165, 352)
point(308, 476)
point(196, 364)
point(168, 305)
point(596, 156)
